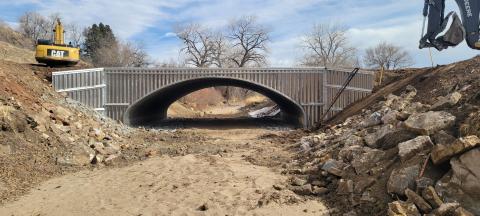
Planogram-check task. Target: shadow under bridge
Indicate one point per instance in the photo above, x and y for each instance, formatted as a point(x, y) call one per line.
point(151, 110)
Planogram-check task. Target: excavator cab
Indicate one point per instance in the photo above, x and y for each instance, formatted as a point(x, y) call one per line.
point(56, 52)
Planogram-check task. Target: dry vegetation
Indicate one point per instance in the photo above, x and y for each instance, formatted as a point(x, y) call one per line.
point(10, 36)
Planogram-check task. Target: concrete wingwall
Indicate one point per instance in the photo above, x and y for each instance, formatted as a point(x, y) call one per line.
point(114, 90)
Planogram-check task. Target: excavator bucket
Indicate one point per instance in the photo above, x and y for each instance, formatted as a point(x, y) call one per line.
point(454, 35)
point(456, 32)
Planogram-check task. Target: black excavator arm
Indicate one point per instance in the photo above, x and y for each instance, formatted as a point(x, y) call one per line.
point(437, 22)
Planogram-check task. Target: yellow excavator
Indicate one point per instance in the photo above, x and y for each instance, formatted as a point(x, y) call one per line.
point(56, 53)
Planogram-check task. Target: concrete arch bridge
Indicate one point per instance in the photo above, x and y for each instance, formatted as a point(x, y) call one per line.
point(141, 96)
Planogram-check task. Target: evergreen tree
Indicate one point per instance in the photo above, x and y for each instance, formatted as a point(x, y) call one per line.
point(100, 44)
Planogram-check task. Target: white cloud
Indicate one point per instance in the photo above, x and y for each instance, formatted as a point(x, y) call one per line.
point(169, 35)
point(126, 17)
point(165, 52)
point(19, 2)
point(285, 52)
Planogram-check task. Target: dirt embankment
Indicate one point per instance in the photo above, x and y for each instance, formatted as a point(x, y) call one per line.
point(407, 149)
point(12, 53)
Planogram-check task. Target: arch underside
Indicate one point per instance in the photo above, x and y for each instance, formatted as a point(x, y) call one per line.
point(152, 109)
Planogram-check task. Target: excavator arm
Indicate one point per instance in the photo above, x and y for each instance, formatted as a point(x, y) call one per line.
point(437, 23)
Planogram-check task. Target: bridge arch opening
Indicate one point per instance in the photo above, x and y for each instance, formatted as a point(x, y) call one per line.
point(151, 110)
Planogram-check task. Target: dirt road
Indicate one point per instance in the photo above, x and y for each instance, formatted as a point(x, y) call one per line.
point(226, 183)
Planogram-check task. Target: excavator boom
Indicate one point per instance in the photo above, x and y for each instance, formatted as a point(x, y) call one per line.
point(458, 31)
point(59, 36)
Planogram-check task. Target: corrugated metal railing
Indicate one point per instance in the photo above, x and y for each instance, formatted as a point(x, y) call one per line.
point(114, 89)
point(86, 86)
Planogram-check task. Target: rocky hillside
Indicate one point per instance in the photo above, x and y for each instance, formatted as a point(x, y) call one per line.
point(413, 152)
point(14, 38)
point(44, 134)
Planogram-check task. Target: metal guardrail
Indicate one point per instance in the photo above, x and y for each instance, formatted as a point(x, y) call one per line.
point(112, 90)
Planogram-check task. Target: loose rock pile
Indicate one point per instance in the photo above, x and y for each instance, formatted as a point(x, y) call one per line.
point(403, 158)
point(88, 137)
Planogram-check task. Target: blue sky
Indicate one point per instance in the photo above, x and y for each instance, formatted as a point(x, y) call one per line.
point(150, 21)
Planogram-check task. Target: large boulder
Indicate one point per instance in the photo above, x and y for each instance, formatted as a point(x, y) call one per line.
point(446, 209)
point(403, 178)
point(447, 101)
point(62, 114)
point(388, 136)
point(12, 119)
point(345, 186)
point(79, 155)
point(399, 208)
point(353, 140)
point(390, 100)
point(418, 200)
point(42, 120)
point(444, 152)
point(416, 107)
point(372, 120)
point(348, 153)
point(363, 183)
point(471, 126)
point(430, 122)
point(96, 133)
point(401, 102)
point(372, 139)
point(334, 167)
point(408, 149)
point(391, 117)
point(367, 160)
point(443, 138)
point(462, 185)
point(432, 197)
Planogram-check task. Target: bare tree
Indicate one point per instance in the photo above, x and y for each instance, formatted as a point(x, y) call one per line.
point(221, 51)
point(198, 44)
point(51, 22)
point(122, 54)
point(34, 26)
point(74, 34)
point(243, 45)
point(327, 46)
point(108, 56)
point(248, 42)
point(387, 56)
point(133, 55)
point(171, 63)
